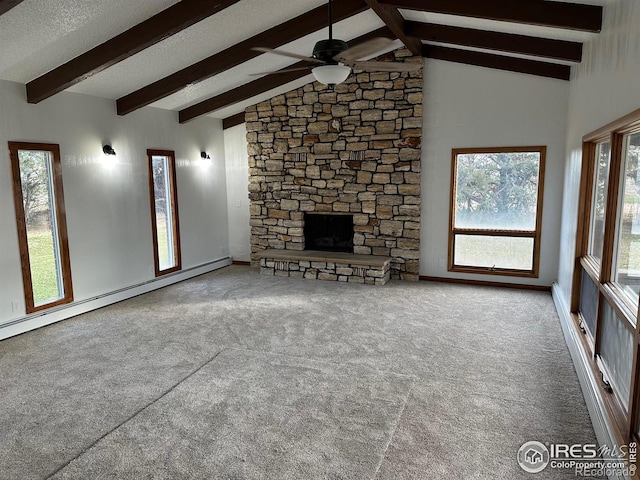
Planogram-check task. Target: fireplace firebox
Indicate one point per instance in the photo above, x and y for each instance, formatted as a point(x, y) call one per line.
point(329, 233)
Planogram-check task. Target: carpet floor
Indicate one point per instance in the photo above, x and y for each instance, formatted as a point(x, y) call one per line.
point(234, 375)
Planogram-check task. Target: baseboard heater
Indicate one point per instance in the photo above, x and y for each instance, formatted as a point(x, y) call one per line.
point(63, 312)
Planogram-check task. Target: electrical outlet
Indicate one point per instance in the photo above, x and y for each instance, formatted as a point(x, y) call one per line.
point(15, 306)
point(441, 262)
point(238, 204)
point(240, 248)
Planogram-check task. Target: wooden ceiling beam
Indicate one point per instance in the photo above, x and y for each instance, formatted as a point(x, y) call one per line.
point(6, 5)
point(233, 120)
point(263, 84)
point(571, 16)
point(499, 62)
point(286, 32)
point(396, 23)
point(162, 25)
point(243, 92)
point(503, 42)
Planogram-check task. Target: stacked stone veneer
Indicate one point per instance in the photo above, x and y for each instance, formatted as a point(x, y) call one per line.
point(353, 148)
point(377, 273)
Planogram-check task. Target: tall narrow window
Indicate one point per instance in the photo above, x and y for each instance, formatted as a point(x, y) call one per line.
point(42, 229)
point(164, 211)
point(496, 206)
point(627, 265)
point(600, 183)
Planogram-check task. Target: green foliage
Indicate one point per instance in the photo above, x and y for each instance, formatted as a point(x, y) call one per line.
point(43, 267)
point(164, 258)
point(160, 180)
point(497, 190)
point(35, 188)
point(502, 252)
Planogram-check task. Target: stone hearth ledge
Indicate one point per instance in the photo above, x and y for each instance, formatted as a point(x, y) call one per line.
point(336, 266)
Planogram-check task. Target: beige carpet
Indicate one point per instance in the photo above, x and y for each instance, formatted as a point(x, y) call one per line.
point(234, 375)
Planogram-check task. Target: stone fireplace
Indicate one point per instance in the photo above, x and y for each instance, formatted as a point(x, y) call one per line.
point(351, 152)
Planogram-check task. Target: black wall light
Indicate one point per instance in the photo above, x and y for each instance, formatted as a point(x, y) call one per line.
point(108, 150)
point(204, 156)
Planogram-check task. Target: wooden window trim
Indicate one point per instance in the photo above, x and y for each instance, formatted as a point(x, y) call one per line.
point(625, 124)
point(610, 401)
point(174, 211)
point(626, 421)
point(612, 294)
point(61, 221)
point(536, 234)
point(611, 212)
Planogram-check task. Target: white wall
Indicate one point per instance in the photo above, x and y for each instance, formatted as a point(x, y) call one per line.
point(468, 106)
point(108, 212)
point(604, 88)
point(236, 162)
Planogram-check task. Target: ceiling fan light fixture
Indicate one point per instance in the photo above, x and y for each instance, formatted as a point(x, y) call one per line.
point(331, 74)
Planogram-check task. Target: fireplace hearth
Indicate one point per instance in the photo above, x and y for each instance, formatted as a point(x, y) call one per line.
point(328, 233)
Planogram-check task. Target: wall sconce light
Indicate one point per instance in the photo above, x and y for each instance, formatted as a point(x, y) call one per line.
point(205, 156)
point(108, 150)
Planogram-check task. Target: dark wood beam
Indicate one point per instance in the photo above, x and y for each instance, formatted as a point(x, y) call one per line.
point(6, 5)
point(503, 42)
point(500, 62)
point(573, 16)
point(396, 23)
point(162, 25)
point(274, 37)
point(262, 84)
point(238, 94)
point(233, 120)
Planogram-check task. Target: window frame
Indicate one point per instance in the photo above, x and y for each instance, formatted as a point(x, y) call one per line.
point(173, 196)
point(613, 272)
point(592, 197)
point(626, 420)
point(536, 234)
point(61, 224)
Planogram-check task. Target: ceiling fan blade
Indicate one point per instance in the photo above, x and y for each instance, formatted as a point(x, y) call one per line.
point(284, 70)
point(362, 50)
point(387, 66)
point(287, 54)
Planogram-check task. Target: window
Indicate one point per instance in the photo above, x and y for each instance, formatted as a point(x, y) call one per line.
point(164, 211)
point(607, 274)
point(627, 265)
point(596, 235)
point(496, 207)
point(42, 229)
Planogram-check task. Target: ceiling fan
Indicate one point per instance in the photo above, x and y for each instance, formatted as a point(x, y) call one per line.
point(335, 59)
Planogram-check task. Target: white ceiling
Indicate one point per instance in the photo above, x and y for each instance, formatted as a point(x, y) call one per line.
point(38, 35)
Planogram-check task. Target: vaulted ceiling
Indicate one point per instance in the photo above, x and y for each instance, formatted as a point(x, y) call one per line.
point(196, 57)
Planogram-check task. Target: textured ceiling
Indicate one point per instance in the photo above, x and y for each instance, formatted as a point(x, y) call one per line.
point(193, 44)
point(39, 35)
